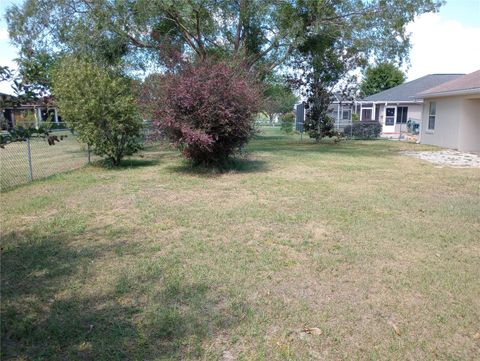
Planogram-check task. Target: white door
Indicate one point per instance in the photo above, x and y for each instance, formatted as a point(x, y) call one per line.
point(389, 123)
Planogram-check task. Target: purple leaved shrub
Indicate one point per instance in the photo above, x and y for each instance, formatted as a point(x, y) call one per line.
point(207, 109)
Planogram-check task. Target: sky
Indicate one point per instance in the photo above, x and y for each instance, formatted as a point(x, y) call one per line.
point(443, 42)
point(447, 41)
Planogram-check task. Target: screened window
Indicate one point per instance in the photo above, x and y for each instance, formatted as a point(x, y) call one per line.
point(346, 114)
point(366, 114)
point(402, 115)
point(432, 115)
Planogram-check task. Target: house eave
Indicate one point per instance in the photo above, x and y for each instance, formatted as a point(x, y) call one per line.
point(413, 101)
point(472, 91)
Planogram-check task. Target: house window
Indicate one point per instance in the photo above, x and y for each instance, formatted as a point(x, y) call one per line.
point(402, 115)
point(431, 115)
point(346, 114)
point(366, 114)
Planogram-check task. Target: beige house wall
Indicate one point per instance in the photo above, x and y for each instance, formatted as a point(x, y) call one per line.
point(457, 123)
point(469, 130)
point(447, 119)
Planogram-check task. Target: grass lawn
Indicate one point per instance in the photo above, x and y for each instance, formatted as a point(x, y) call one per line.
point(157, 261)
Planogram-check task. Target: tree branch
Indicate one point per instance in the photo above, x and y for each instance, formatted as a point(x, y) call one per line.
point(199, 35)
point(273, 45)
point(187, 35)
point(238, 36)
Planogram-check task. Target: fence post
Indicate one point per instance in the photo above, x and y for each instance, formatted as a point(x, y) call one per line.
point(88, 152)
point(29, 153)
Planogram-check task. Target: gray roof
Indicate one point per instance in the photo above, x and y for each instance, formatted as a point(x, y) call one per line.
point(407, 92)
point(466, 83)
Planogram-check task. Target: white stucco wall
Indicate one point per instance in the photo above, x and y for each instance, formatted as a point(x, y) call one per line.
point(469, 130)
point(449, 113)
point(415, 112)
point(457, 123)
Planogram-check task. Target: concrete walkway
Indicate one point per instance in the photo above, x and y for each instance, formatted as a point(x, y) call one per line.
point(448, 158)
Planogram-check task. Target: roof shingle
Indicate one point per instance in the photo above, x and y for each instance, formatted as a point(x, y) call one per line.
point(467, 82)
point(407, 92)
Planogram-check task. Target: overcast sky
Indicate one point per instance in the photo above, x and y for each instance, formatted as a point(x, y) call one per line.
point(445, 42)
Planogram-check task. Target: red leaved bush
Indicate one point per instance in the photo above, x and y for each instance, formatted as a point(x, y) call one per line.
point(207, 109)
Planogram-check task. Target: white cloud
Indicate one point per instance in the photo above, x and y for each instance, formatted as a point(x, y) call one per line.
point(442, 46)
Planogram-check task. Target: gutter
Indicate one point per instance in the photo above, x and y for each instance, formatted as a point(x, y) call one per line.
point(450, 93)
point(415, 101)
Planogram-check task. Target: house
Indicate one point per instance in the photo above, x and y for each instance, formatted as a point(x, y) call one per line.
point(341, 109)
point(14, 113)
point(396, 107)
point(451, 114)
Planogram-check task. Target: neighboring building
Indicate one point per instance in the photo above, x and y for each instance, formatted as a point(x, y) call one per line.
point(395, 107)
point(31, 114)
point(451, 114)
point(341, 110)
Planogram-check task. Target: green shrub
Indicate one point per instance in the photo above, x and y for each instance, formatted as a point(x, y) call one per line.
point(98, 105)
point(363, 130)
point(287, 123)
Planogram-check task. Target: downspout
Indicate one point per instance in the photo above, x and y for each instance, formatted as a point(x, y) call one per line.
point(420, 128)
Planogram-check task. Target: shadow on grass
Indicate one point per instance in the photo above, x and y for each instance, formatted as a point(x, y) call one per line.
point(127, 163)
point(236, 165)
point(54, 308)
point(138, 163)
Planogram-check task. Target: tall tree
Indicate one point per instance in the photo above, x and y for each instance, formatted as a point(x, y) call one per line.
point(341, 36)
point(381, 77)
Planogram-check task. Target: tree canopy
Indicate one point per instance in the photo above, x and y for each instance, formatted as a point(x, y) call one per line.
point(265, 34)
point(279, 99)
point(381, 77)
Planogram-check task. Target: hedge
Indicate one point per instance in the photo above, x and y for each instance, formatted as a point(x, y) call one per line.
point(363, 130)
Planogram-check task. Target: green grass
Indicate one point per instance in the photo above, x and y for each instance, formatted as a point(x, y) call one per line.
point(159, 261)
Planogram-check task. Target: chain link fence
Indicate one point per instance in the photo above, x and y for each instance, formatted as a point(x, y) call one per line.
point(35, 158)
